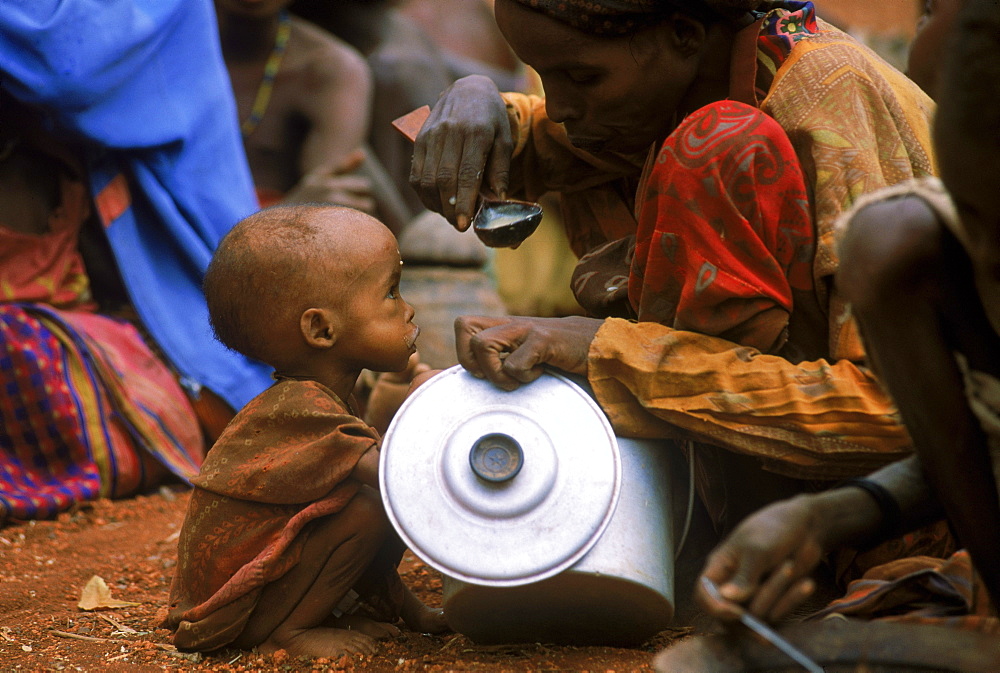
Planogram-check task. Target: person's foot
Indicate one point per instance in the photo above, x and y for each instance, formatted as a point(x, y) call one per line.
point(422, 618)
point(319, 642)
point(366, 625)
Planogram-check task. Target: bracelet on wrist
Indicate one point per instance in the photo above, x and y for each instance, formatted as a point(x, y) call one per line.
point(891, 515)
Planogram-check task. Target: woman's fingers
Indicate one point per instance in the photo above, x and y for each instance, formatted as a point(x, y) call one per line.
point(465, 140)
point(514, 350)
point(468, 343)
point(525, 363)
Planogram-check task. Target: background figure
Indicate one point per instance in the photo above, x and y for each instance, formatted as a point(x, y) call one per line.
point(304, 104)
point(409, 68)
point(446, 274)
point(165, 187)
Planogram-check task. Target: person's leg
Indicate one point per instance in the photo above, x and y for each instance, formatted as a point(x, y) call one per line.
point(294, 612)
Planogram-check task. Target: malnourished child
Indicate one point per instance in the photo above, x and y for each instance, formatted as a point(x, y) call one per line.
point(286, 544)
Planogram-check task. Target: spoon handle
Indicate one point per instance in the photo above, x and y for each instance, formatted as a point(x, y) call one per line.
point(411, 123)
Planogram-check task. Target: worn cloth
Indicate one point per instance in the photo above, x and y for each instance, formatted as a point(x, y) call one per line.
point(722, 250)
point(88, 410)
point(283, 462)
point(856, 125)
point(921, 589)
point(166, 168)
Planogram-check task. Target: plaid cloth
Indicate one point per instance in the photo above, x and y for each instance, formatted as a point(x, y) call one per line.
point(87, 411)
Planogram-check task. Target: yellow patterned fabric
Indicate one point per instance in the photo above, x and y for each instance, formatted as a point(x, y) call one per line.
point(856, 125)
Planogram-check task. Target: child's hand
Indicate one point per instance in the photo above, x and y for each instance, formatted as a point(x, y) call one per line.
point(422, 378)
point(389, 391)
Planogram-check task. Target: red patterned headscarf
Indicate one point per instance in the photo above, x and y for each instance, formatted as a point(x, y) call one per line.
point(621, 17)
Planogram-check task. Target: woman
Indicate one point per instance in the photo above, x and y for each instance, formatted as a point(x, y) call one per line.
point(105, 411)
point(703, 151)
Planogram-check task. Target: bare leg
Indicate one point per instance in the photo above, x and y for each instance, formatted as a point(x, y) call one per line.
point(422, 618)
point(292, 612)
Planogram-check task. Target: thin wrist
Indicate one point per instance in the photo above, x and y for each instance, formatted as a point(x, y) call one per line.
point(843, 516)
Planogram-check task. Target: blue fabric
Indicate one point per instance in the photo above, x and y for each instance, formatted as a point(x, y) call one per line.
point(143, 84)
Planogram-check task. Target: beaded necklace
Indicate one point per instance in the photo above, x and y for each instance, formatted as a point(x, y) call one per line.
point(263, 97)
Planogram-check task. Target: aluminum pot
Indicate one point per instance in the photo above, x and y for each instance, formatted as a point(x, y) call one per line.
point(545, 526)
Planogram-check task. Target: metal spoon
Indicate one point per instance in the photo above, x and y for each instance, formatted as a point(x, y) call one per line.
point(766, 632)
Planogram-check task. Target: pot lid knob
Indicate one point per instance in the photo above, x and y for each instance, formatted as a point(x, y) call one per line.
point(496, 457)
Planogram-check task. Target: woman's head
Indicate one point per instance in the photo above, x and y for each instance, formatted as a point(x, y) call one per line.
point(625, 17)
point(617, 72)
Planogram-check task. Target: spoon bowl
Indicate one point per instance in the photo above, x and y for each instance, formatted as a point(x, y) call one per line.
point(506, 223)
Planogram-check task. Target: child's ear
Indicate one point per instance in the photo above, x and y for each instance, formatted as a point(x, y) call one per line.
point(318, 327)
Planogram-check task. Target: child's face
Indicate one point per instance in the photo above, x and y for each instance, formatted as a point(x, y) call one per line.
point(378, 332)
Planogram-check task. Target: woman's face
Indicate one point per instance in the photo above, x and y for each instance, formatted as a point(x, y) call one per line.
point(616, 94)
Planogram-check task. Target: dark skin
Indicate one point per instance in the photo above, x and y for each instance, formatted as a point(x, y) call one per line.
point(354, 320)
point(941, 316)
point(895, 249)
point(310, 144)
point(603, 92)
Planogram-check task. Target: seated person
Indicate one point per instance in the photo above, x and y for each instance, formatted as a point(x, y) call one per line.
point(920, 272)
point(88, 409)
point(163, 189)
point(711, 192)
point(409, 69)
point(304, 102)
point(308, 559)
point(111, 406)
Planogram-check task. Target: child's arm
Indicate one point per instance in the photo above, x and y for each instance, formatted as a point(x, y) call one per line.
point(366, 471)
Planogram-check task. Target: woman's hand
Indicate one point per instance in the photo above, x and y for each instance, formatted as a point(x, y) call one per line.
point(510, 351)
point(763, 566)
point(465, 142)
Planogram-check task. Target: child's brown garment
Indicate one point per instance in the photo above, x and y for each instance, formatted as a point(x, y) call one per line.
point(284, 461)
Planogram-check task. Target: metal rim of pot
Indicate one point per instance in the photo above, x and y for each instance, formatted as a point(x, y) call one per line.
point(499, 488)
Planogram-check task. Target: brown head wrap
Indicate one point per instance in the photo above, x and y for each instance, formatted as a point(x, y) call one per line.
point(621, 17)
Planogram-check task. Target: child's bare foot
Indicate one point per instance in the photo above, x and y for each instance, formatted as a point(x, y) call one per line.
point(370, 627)
point(319, 642)
point(422, 618)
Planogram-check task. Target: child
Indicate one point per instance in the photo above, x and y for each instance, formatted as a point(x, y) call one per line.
point(285, 544)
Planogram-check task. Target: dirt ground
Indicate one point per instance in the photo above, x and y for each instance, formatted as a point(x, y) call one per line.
point(131, 544)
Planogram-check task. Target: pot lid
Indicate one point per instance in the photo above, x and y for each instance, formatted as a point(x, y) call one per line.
point(499, 488)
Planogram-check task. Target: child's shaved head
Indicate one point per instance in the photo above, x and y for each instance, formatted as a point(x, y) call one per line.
point(265, 271)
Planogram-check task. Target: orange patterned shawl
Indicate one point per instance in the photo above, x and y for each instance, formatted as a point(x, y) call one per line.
point(856, 125)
